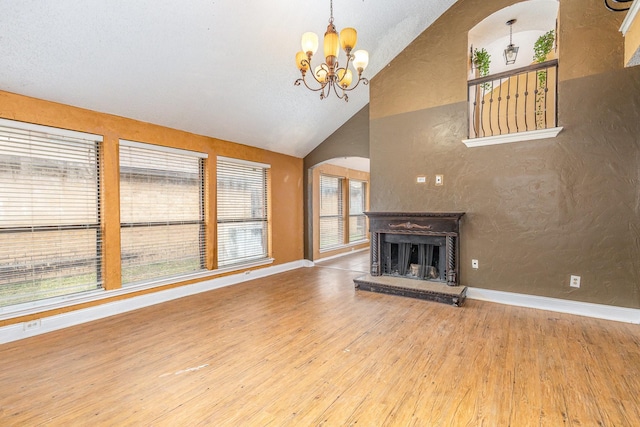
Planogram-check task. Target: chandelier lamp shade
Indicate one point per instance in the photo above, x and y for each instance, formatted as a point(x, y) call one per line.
point(511, 52)
point(329, 75)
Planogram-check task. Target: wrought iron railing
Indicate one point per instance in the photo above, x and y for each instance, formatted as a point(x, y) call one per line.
point(515, 101)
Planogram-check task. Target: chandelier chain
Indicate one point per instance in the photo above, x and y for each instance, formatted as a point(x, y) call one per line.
point(331, 11)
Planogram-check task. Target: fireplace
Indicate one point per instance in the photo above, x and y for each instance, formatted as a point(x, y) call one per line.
point(424, 243)
point(415, 254)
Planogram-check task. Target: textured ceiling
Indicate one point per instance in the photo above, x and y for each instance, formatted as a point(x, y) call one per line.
point(222, 68)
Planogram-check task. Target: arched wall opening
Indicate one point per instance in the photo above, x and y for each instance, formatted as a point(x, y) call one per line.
point(338, 196)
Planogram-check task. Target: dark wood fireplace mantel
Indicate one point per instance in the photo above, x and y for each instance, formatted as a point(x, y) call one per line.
point(440, 223)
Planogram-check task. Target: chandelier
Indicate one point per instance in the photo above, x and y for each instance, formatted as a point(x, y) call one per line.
point(329, 75)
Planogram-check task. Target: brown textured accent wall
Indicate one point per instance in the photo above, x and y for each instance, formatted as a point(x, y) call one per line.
point(537, 211)
point(349, 140)
point(285, 177)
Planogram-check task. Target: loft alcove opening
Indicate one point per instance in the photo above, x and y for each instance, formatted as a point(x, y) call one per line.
point(513, 102)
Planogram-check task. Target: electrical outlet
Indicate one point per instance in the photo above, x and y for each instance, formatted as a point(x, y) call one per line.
point(474, 263)
point(31, 325)
point(574, 282)
point(421, 179)
point(439, 179)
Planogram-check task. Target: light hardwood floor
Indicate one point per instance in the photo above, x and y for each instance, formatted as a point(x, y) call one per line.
point(304, 348)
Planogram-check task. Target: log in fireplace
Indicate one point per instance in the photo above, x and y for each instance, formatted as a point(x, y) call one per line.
point(415, 254)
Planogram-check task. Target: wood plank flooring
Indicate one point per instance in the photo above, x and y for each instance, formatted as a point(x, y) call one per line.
point(305, 348)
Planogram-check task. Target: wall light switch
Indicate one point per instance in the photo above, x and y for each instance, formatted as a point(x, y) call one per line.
point(474, 263)
point(439, 179)
point(421, 179)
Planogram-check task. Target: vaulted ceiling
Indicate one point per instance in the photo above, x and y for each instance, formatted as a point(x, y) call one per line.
point(221, 68)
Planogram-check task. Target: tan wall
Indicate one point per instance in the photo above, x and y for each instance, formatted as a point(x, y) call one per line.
point(286, 207)
point(338, 171)
point(537, 211)
point(632, 39)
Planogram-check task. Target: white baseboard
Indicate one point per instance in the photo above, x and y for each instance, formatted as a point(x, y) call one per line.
point(52, 323)
point(352, 251)
point(599, 311)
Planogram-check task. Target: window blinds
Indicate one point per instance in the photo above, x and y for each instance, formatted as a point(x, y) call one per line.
point(241, 211)
point(331, 212)
point(357, 219)
point(161, 212)
point(50, 243)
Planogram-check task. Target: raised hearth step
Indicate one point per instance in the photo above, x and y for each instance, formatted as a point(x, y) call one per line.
point(423, 289)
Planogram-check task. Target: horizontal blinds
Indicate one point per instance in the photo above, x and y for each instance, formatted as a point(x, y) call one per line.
point(50, 242)
point(357, 219)
point(161, 213)
point(331, 212)
point(241, 211)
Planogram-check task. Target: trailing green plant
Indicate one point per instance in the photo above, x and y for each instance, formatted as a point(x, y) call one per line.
point(541, 49)
point(543, 46)
point(481, 61)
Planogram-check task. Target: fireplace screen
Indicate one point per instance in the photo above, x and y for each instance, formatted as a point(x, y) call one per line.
point(413, 256)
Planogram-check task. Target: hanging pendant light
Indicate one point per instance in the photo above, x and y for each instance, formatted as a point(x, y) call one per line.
point(329, 75)
point(511, 52)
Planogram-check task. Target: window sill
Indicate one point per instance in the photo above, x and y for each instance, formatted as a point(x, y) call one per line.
point(513, 137)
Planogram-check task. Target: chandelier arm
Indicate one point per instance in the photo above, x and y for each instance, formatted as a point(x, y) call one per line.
point(349, 58)
point(313, 74)
point(360, 79)
point(344, 94)
point(303, 80)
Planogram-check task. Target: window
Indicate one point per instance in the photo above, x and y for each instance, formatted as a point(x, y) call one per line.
point(357, 206)
point(161, 212)
point(50, 243)
point(331, 212)
point(242, 211)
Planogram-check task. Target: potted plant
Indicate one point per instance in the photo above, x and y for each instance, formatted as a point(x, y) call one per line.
point(481, 61)
point(541, 48)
